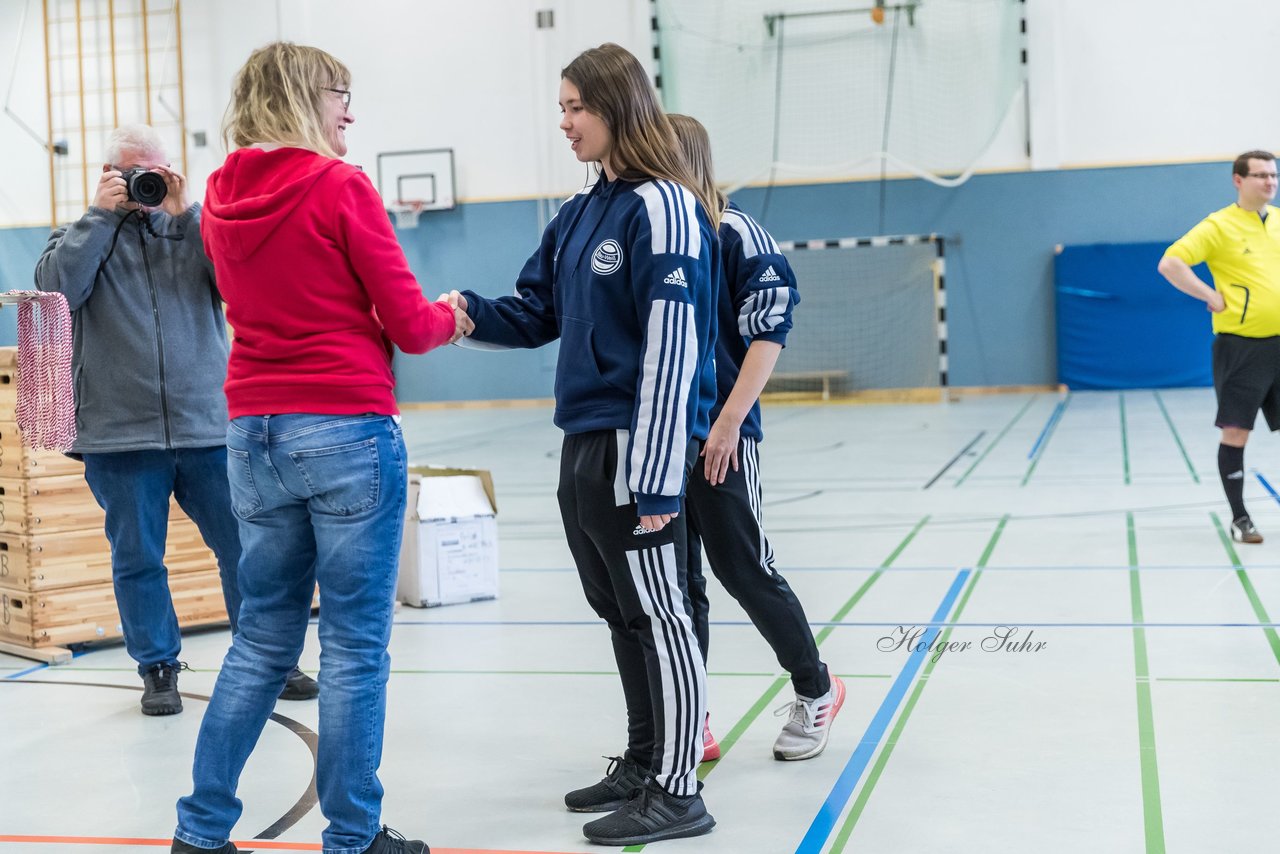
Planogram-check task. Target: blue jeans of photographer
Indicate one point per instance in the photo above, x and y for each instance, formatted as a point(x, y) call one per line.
point(320, 499)
point(133, 488)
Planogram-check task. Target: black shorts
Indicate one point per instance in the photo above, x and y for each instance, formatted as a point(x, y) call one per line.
point(1246, 376)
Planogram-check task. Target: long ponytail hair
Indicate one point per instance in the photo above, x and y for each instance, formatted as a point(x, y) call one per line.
point(613, 85)
point(695, 146)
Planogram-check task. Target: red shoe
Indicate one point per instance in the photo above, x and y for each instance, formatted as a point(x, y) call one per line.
point(710, 747)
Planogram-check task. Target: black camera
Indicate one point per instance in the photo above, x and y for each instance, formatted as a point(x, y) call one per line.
point(145, 187)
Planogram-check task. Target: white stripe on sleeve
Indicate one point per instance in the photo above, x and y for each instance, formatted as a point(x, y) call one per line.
point(668, 372)
point(763, 311)
point(673, 218)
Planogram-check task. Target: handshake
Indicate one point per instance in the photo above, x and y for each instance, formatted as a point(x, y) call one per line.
point(462, 323)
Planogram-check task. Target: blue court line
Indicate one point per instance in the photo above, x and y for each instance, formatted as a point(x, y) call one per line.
point(74, 655)
point(1262, 480)
point(26, 672)
point(1053, 419)
point(824, 822)
point(934, 624)
point(1223, 567)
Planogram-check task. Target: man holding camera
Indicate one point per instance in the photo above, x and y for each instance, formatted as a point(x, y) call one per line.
point(149, 359)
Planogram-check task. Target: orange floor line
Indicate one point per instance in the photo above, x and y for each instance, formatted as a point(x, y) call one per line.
point(247, 844)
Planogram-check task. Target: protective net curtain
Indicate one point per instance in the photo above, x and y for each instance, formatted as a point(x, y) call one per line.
point(46, 398)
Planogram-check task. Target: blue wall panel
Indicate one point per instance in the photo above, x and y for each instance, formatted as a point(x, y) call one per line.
point(480, 247)
point(20, 248)
point(1001, 232)
point(1121, 325)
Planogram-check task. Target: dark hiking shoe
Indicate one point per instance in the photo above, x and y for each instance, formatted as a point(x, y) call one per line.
point(180, 847)
point(300, 686)
point(622, 778)
point(160, 690)
point(389, 842)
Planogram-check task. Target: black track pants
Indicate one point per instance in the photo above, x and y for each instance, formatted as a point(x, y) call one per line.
point(727, 521)
point(636, 583)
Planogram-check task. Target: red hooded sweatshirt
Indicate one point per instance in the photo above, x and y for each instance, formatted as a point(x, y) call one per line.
point(316, 286)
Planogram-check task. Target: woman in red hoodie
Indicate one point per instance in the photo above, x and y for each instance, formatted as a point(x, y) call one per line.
point(317, 291)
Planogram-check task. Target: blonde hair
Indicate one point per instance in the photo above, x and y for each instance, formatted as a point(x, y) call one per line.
point(613, 85)
point(695, 146)
point(279, 96)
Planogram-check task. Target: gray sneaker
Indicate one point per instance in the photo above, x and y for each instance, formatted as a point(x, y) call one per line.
point(1242, 531)
point(805, 734)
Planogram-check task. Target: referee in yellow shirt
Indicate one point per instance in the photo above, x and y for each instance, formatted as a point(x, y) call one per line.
point(1241, 244)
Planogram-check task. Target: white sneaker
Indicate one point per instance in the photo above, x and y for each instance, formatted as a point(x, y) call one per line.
point(805, 734)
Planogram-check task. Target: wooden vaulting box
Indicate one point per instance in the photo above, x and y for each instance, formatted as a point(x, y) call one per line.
point(88, 612)
point(55, 562)
point(18, 460)
point(51, 560)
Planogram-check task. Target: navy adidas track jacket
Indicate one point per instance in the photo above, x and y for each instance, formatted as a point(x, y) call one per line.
point(755, 303)
point(625, 277)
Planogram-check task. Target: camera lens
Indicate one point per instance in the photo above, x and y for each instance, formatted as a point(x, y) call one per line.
point(146, 188)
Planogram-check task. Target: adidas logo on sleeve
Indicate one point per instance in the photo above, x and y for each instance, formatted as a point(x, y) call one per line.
point(677, 278)
point(770, 275)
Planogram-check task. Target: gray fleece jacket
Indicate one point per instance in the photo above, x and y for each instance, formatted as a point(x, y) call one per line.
point(150, 341)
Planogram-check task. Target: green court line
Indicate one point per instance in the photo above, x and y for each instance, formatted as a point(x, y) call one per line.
point(1053, 428)
point(449, 672)
point(866, 585)
point(766, 699)
point(1211, 679)
point(1152, 814)
point(855, 812)
point(1272, 638)
point(996, 440)
point(1124, 440)
point(1174, 430)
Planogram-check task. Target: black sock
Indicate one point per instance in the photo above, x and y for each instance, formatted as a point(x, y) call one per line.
point(1231, 469)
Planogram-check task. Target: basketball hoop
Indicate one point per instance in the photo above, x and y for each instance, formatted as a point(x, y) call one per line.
point(407, 212)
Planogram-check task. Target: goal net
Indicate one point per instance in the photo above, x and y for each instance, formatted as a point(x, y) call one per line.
point(872, 315)
point(789, 93)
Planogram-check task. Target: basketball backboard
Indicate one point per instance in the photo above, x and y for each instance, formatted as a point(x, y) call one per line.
point(422, 176)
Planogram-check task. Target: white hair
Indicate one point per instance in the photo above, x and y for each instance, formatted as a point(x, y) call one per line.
point(135, 138)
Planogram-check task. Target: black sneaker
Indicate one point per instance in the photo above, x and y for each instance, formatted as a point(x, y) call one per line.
point(389, 842)
point(1242, 531)
point(180, 847)
point(160, 690)
point(622, 778)
point(650, 816)
point(300, 686)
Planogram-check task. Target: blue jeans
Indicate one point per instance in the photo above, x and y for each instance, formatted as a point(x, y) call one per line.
point(133, 488)
point(321, 499)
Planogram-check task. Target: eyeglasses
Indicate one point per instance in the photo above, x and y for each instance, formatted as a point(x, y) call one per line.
point(1263, 175)
point(345, 93)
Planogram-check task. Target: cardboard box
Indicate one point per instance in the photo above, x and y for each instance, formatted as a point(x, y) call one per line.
point(450, 549)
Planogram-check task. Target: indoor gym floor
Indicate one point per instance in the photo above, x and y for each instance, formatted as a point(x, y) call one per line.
point(1140, 716)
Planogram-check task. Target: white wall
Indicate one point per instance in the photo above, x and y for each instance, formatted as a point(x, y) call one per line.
point(1123, 81)
point(475, 76)
point(1112, 81)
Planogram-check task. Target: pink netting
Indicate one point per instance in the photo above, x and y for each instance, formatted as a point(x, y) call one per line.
point(46, 397)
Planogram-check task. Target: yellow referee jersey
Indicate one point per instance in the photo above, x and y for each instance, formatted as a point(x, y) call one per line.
point(1243, 254)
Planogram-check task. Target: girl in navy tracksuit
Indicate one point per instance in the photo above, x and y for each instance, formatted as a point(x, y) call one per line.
point(625, 278)
point(755, 301)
